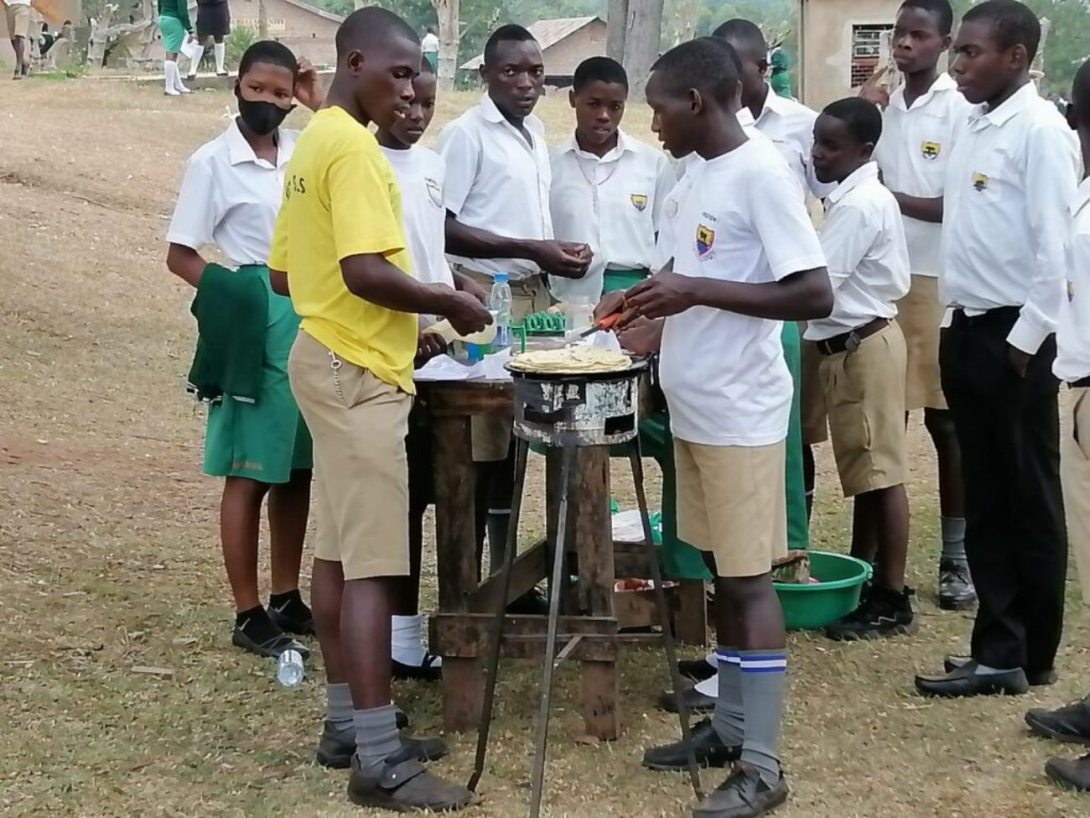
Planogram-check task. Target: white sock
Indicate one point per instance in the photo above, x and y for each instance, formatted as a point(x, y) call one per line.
point(408, 641)
point(194, 64)
point(709, 687)
point(179, 86)
point(170, 71)
point(220, 50)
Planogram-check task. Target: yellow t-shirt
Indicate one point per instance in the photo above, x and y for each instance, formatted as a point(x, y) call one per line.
point(341, 199)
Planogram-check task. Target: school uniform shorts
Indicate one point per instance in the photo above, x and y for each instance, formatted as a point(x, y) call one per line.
point(731, 502)
point(358, 423)
point(1075, 477)
point(865, 396)
point(18, 19)
point(815, 420)
point(920, 315)
point(492, 436)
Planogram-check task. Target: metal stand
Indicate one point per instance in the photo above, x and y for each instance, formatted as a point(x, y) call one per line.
point(556, 585)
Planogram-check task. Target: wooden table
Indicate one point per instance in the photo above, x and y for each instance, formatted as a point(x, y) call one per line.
point(460, 631)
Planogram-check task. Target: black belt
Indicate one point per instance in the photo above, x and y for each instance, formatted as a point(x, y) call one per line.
point(850, 341)
point(997, 315)
point(1081, 383)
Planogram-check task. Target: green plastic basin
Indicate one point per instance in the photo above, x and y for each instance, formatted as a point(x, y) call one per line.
point(840, 579)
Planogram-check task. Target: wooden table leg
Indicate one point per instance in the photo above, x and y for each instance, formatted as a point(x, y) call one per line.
point(593, 533)
point(691, 616)
point(456, 557)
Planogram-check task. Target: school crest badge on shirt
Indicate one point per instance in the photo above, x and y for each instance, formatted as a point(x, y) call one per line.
point(705, 241)
point(639, 201)
point(930, 150)
point(434, 191)
point(980, 182)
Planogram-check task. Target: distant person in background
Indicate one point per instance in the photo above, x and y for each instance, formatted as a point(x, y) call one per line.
point(45, 40)
point(779, 77)
point(174, 25)
point(18, 16)
point(430, 46)
point(213, 23)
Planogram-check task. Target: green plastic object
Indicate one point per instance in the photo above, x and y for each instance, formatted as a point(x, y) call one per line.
point(543, 323)
point(809, 607)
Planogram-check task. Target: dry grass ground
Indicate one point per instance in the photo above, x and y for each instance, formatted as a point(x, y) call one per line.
point(109, 556)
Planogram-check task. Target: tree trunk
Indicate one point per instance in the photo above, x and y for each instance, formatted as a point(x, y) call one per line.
point(262, 21)
point(616, 23)
point(450, 35)
point(642, 40)
point(100, 31)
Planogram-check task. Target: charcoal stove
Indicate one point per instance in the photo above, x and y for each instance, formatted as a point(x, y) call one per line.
point(570, 412)
point(576, 410)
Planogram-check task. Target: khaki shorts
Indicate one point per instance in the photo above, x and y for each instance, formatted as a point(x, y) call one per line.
point(815, 425)
point(492, 436)
point(18, 21)
point(865, 393)
point(1075, 474)
point(359, 424)
point(920, 315)
point(731, 501)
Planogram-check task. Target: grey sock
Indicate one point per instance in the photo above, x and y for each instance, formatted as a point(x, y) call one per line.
point(729, 716)
point(953, 538)
point(376, 738)
point(764, 685)
point(338, 709)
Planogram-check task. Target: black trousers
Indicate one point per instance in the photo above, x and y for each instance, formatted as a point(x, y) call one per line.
point(1015, 538)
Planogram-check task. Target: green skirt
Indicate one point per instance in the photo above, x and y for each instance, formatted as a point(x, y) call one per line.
point(173, 33)
point(266, 440)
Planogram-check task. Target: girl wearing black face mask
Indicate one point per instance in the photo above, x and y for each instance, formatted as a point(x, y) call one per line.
point(256, 438)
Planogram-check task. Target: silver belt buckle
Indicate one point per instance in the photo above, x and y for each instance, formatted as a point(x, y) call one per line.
point(852, 344)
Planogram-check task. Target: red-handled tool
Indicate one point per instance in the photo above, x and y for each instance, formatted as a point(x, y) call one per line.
point(609, 322)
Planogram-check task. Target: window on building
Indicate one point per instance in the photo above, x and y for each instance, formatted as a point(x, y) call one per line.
point(866, 50)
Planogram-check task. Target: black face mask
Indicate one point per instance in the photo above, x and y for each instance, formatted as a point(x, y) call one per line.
point(261, 117)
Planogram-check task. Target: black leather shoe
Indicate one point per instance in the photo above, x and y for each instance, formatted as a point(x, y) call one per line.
point(426, 671)
point(1070, 723)
point(336, 747)
point(696, 670)
point(743, 795)
point(880, 614)
point(709, 749)
point(1036, 678)
point(967, 681)
point(403, 785)
point(956, 590)
point(1074, 775)
point(697, 701)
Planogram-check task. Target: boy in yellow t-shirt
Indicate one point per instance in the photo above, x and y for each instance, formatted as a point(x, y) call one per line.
point(340, 249)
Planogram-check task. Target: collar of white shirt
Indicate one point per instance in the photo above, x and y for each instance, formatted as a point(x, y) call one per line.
point(745, 118)
point(943, 82)
point(492, 114)
point(864, 174)
point(774, 104)
point(1018, 102)
point(239, 150)
point(571, 146)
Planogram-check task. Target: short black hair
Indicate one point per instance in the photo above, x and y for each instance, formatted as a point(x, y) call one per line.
point(1013, 23)
point(369, 26)
point(1080, 95)
point(944, 13)
point(862, 118)
point(599, 69)
point(744, 35)
point(510, 33)
point(703, 64)
point(270, 52)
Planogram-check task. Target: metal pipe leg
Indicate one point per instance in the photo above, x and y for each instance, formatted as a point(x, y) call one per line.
point(556, 586)
point(522, 449)
point(635, 459)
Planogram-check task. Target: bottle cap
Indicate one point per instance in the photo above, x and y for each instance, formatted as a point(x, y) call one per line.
point(500, 278)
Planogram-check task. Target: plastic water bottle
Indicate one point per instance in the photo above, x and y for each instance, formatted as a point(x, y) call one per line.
point(289, 668)
point(499, 305)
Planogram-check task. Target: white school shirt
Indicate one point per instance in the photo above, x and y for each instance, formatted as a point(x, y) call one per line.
point(230, 198)
point(420, 173)
point(612, 203)
point(429, 44)
point(497, 181)
point(863, 238)
point(1006, 222)
point(1073, 334)
point(724, 374)
point(790, 126)
point(913, 154)
point(683, 167)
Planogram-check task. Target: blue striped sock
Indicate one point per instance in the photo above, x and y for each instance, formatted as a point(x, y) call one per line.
point(729, 718)
point(764, 686)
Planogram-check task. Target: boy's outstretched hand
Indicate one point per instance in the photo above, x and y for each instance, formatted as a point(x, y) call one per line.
point(660, 296)
point(308, 86)
point(465, 313)
point(563, 259)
